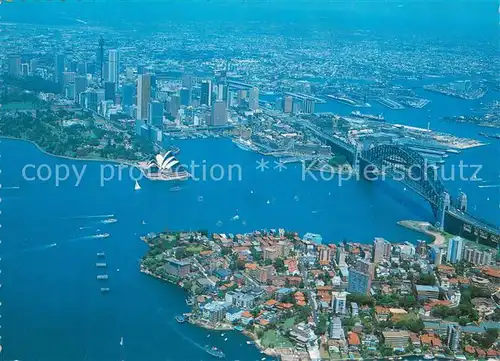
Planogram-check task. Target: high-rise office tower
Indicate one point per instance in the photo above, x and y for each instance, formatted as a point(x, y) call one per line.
point(156, 114)
point(81, 68)
point(206, 93)
point(174, 105)
point(143, 95)
point(185, 95)
point(80, 87)
point(140, 69)
point(253, 98)
point(109, 91)
point(25, 69)
point(91, 99)
point(114, 65)
point(33, 66)
point(68, 77)
point(455, 248)
point(287, 104)
point(360, 278)
point(128, 94)
point(219, 113)
point(59, 68)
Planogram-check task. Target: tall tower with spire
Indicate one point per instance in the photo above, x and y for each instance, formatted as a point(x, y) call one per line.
point(101, 57)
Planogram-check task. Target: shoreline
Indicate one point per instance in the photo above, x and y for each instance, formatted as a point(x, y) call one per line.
point(103, 160)
point(423, 227)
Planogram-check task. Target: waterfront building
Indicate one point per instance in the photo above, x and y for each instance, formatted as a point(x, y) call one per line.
point(177, 268)
point(215, 311)
point(436, 255)
point(253, 98)
point(476, 256)
point(421, 247)
point(206, 93)
point(381, 250)
point(309, 106)
point(109, 91)
point(219, 113)
point(143, 95)
point(453, 337)
point(80, 87)
point(59, 68)
point(113, 64)
point(455, 249)
point(287, 105)
point(396, 339)
point(128, 94)
point(156, 114)
point(426, 292)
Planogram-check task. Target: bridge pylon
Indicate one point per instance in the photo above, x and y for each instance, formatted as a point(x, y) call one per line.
point(444, 205)
point(357, 158)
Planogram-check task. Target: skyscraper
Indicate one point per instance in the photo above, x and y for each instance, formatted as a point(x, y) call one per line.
point(206, 92)
point(455, 248)
point(360, 278)
point(128, 94)
point(156, 114)
point(14, 65)
point(109, 91)
point(381, 250)
point(309, 106)
point(59, 68)
point(113, 64)
point(185, 95)
point(143, 95)
point(287, 104)
point(80, 87)
point(174, 105)
point(253, 98)
point(219, 113)
point(340, 257)
point(339, 300)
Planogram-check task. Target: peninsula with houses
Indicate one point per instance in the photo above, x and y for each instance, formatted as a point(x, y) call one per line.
point(300, 299)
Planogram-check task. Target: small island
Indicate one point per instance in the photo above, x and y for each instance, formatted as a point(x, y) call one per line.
point(299, 299)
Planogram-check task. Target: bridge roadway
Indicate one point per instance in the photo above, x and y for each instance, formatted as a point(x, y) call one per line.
point(465, 218)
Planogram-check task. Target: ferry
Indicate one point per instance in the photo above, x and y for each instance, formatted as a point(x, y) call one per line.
point(379, 118)
point(102, 277)
point(100, 264)
point(104, 289)
point(110, 220)
point(244, 144)
point(214, 351)
point(180, 319)
point(101, 254)
point(101, 235)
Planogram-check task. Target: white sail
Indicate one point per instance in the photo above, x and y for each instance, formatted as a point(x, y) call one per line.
point(137, 186)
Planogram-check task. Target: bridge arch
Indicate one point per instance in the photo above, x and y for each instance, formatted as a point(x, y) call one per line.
point(409, 167)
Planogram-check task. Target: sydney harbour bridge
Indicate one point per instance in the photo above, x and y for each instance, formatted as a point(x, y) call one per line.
point(411, 168)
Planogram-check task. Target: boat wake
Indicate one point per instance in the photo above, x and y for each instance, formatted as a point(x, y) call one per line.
point(92, 216)
point(16, 187)
point(188, 339)
point(32, 249)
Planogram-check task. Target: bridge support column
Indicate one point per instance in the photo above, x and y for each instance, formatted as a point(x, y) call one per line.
point(357, 157)
point(444, 205)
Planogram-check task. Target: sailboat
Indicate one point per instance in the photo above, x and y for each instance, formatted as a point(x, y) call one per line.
point(121, 341)
point(137, 186)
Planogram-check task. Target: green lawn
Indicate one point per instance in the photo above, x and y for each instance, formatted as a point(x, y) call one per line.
point(288, 323)
point(271, 338)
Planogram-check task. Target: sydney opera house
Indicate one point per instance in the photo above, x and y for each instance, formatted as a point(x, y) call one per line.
point(163, 167)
